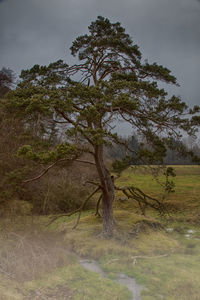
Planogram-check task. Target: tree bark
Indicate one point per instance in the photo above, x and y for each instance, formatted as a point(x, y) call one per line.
point(108, 193)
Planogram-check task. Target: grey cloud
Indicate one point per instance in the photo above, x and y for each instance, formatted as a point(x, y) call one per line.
point(35, 31)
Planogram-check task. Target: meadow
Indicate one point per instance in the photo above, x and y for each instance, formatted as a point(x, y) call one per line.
point(162, 252)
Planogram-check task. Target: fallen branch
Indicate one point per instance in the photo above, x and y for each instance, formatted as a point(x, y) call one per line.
point(112, 260)
point(137, 257)
point(147, 257)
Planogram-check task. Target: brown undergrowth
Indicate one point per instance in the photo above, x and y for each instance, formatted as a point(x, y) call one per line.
point(27, 255)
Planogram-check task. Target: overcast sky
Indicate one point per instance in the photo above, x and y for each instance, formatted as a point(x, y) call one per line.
point(167, 32)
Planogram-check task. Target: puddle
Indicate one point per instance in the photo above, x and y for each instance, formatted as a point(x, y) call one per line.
point(188, 236)
point(122, 279)
point(190, 233)
point(92, 266)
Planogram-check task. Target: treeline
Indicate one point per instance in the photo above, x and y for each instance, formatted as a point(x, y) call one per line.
point(172, 157)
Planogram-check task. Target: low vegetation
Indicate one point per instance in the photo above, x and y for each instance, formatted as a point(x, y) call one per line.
point(160, 252)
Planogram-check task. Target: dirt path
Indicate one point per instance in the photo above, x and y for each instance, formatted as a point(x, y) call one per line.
point(122, 279)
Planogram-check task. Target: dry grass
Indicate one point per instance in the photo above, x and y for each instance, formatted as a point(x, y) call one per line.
point(27, 255)
point(37, 265)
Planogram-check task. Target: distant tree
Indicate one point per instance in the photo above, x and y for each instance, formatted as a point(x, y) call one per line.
point(109, 82)
point(6, 81)
point(119, 151)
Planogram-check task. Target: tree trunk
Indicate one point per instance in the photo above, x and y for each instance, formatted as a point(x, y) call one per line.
point(108, 193)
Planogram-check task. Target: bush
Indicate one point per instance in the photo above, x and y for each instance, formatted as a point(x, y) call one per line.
point(59, 195)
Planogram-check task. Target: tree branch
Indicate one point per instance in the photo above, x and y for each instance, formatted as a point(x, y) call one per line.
point(83, 205)
point(75, 211)
point(85, 162)
point(142, 198)
point(45, 171)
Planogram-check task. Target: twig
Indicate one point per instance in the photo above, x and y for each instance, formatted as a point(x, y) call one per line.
point(112, 260)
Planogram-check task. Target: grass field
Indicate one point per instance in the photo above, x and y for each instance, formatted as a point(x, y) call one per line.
point(163, 256)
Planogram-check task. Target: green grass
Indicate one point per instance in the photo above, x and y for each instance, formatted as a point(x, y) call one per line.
point(187, 188)
point(82, 284)
point(165, 263)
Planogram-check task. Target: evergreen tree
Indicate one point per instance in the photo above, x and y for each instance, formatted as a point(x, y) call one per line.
point(109, 81)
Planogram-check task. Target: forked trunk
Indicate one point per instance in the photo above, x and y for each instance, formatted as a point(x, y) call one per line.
point(108, 193)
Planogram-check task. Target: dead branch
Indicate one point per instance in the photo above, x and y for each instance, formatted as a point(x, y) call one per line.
point(75, 211)
point(83, 205)
point(147, 257)
point(112, 260)
point(143, 199)
point(137, 257)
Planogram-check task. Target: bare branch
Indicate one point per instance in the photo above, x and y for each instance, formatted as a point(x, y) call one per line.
point(75, 211)
point(83, 205)
point(143, 199)
point(45, 171)
point(85, 162)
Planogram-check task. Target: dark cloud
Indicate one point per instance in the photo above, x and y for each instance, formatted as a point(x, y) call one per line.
point(35, 31)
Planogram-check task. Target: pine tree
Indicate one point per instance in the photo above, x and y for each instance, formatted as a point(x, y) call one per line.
point(110, 81)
